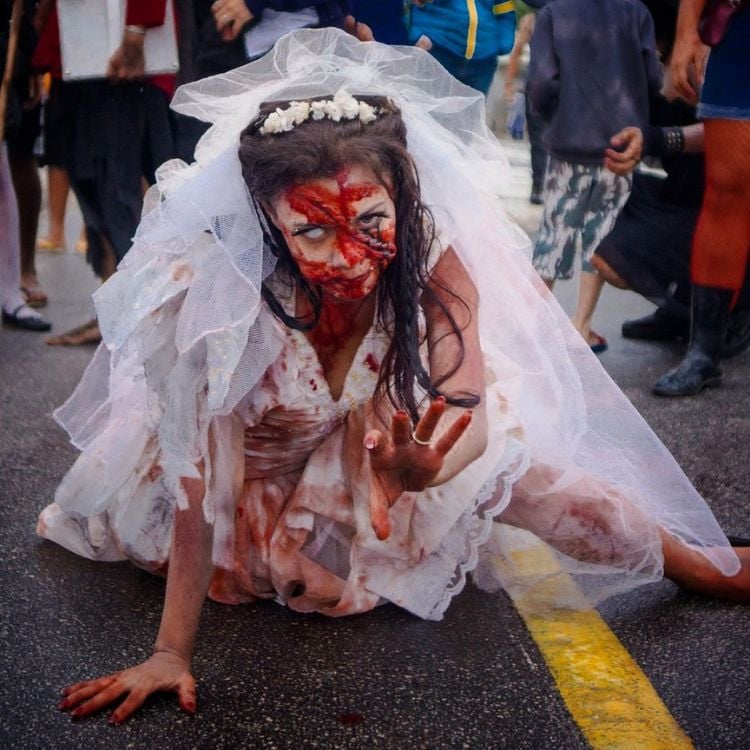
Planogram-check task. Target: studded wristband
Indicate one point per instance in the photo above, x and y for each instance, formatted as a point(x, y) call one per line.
point(672, 141)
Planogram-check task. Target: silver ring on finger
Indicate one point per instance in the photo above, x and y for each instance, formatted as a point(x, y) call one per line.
point(418, 441)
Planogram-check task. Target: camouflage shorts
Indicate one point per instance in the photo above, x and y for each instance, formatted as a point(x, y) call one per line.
point(580, 201)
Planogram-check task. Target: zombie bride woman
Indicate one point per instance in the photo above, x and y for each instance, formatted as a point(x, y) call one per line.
point(331, 378)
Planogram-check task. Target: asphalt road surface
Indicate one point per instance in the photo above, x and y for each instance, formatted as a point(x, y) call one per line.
point(269, 678)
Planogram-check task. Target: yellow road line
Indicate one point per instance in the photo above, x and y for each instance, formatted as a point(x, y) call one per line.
point(609, 697)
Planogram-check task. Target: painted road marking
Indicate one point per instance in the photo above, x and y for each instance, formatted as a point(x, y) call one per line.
point(607, 694)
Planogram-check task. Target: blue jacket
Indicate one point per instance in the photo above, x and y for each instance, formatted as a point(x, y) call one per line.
point(472, 29)
point(385, 18)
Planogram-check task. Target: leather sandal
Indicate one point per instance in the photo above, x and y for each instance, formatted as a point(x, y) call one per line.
point(26, 322)
point(34, 296)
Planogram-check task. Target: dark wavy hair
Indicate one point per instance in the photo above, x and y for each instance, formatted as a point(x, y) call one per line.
point(319, 149)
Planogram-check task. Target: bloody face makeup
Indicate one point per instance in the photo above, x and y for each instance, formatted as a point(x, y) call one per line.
point(340, 231)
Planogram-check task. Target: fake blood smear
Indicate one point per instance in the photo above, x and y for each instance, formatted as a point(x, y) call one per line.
point(372, 363)
point(338, 211)
point(336, 324)
point(351, 719)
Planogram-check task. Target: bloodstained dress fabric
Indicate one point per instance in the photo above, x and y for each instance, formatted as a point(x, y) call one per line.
point(303, 533)
point(196, 371)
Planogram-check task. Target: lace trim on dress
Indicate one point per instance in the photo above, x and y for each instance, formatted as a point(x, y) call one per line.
point(489, 502)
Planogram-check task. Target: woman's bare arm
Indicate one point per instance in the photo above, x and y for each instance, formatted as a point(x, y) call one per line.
point(188, 578)
point(190, 571)
point(444, 350)
point(446, 438)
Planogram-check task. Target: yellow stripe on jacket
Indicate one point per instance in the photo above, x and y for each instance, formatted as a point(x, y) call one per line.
point(500, 8)
point(471, 37)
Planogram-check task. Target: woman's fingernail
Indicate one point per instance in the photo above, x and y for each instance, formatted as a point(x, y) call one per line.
point(63, 704)
point(369, 444)
point(113, 719)
point(190, 707)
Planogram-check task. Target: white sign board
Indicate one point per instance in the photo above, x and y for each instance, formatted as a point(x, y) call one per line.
point(91, 30)
point(272, 26)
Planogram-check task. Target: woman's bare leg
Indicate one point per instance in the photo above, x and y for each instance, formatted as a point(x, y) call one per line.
point(58, 187)
point(608, 273)
point(594, 523)
point(28, 190)
point(588, 295)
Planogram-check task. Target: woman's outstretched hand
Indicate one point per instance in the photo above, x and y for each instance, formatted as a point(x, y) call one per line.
point(406, 461)
point(163, 671)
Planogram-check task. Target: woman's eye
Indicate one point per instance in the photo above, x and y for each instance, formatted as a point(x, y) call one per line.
point(311, 233)
point(371, 220)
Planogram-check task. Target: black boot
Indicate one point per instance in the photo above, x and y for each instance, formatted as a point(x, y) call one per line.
point(700, 368)
point(658, 326)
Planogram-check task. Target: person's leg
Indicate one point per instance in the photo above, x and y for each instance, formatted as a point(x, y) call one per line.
point(608, 273)
point(58, 188)
point(55, 155)
point(606, 198)
point(722, 237)
point(28, 189)
point(554, 250)
point(14, 309)
point(596, 524)
point(110, 194)
point(589, 291)
point(720, 255)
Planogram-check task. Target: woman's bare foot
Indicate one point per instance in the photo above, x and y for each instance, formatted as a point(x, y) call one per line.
point(691, 570)
point(88, 333)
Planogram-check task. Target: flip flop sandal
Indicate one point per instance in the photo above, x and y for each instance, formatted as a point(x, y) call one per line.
point(47, 245)
point(600, 344)
point(34, 296)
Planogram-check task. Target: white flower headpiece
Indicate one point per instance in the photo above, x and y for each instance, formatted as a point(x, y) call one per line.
point(343, 106)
